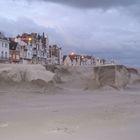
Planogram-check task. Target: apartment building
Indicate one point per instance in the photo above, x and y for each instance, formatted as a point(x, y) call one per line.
point(4, 49)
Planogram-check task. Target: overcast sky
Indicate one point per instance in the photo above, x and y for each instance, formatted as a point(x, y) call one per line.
point(109, 29)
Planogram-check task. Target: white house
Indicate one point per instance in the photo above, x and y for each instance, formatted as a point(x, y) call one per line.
point(71, 60)
point(67, 61)
point(21, 47)
point(4, 49)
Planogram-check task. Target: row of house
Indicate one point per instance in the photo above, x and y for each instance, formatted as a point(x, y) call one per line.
point(77, 60)
point(83, 60)
point(29, 49)
point(34, 48)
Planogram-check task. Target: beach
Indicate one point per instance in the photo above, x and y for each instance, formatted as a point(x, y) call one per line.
point(72, 109)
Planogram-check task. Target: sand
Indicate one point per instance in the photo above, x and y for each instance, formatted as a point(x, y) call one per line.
point(73, 109)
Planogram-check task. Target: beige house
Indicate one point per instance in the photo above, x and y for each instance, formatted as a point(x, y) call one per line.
point(67, 61)
point(78, 60)
point(55, 55)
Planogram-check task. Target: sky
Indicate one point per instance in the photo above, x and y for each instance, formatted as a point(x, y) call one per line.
point(107, 29)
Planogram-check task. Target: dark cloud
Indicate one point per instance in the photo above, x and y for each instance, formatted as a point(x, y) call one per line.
point(133, 11)
point(94, 3)
point(23, 24)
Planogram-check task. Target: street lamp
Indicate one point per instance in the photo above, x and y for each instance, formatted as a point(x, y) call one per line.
point(30, 39)
point(72, 53)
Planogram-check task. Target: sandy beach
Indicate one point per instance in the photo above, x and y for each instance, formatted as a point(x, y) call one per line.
point(70, 110)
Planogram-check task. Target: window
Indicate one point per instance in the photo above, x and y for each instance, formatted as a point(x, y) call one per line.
point(28, 55)
point(6, 45)
point(5, 54)
point(2, 54)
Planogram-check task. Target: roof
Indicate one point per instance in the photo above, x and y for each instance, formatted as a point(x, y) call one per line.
point(2, 37)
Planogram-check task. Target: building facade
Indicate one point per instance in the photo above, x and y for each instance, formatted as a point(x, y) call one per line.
point(30, 48)
point(33, 48)
point(55, 55)
point(78, 60)
point(4, 49)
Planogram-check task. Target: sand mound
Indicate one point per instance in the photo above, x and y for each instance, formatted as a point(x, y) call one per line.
point(64, 70)
point(35, 74)
point(135, 76)
point(116, 76)
point(60, 72)
point(133, 71)
point(90, 78)
point(77, 77)
point(136, 81)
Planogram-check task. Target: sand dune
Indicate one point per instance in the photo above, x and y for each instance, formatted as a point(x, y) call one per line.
point(24, 73)
point(73, 77)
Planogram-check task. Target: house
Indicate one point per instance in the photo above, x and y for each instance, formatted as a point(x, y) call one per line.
point(30, 48)
point(75, 59)
point(99, 62)
point(72, 60)
point(25, 50)
point(4, 49)
point(67, 60)
point(22, 51)
point(33, 48)
point(14, 56)
point(14, 52)
point(78, 60)
point(27, 54)
point(90, 60)
point(55, 55)
point(40, 46)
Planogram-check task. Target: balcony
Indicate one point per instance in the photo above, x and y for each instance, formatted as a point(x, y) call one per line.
point(3, 58)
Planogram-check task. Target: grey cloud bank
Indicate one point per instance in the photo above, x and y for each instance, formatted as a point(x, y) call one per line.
point(95, 3)
point(23, 24)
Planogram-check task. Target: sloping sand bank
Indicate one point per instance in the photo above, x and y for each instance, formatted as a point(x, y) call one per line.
point(24, 75)
point(85, 78)
point(101, 77)
point(116, 76)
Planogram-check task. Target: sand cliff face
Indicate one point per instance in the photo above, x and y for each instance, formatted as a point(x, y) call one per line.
point(24, 73)
point(100, 77)
point(116, 76)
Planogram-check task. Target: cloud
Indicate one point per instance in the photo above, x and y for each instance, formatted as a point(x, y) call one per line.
point(22, 24)
point(94, 3)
